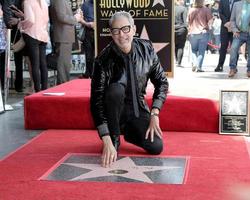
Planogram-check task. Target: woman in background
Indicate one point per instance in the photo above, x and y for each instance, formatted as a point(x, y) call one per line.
point(19, 14)
point(200, 20)
point(35, 33)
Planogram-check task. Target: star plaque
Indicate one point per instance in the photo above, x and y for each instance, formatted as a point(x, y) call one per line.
point(84, 167)
point(234, 112)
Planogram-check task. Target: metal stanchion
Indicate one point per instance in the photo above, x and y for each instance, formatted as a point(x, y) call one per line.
point(7, 72)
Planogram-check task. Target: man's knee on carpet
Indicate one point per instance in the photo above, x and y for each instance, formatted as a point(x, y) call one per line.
point(155, 147)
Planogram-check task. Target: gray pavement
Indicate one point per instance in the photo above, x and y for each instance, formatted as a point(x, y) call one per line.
point(209, 83)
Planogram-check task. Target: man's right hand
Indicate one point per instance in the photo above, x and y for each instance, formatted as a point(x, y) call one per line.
point(109, 154)
point(236, 34)
point(91, 25)
point(78, 17)
point(228, 26)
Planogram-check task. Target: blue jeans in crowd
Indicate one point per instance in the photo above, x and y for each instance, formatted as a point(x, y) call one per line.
point(237, 42)
point(198, 45)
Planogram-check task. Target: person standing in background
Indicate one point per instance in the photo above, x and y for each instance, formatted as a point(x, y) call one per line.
point(180, 30)
point(89, 40)
point(240, 24)
point(35, 33)
point(200, 20)
point(19, 14)
point(12, 24)
point(226, 35)
point(63, 23)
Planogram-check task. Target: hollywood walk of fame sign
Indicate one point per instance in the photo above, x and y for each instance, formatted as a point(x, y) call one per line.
point(84, 167)
point(153, 20)
point(234, 112)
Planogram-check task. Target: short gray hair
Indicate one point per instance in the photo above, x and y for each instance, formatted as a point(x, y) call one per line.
point(119, 14)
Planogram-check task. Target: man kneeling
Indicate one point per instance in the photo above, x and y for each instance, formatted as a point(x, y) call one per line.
point(121, 73)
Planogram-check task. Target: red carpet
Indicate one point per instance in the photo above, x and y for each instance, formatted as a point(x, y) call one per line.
point(216, 162)
point(72, 111)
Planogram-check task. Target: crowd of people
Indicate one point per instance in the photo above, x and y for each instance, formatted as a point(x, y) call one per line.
point(29, 21)
point(219, 26)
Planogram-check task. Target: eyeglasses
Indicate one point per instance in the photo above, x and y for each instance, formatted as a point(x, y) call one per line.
point(124, 29)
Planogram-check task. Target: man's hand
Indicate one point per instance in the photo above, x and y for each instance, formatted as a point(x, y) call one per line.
point(18, 13)
point(228, 26)
point(109, 154)
point(154, 127)
point(78, 17)
point(87, 24)
point(14, 21)
point(236, 34)
point(90, 25)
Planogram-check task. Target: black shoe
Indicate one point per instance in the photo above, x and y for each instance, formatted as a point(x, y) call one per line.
point(116, 141)
point(218, 69)
point(200, 70)
point(179, 65)
point(19, 90)
point(83, 76)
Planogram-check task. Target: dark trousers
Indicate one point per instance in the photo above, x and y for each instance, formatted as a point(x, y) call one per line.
point(121, 119)
point(89, 50)
point(37, 55)
point(63, 51)
point(180, 40)
point(2, 69)
point(18, 57)
point(225, 37)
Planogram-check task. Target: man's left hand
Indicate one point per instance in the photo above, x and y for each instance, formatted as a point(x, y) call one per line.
point(91, 25)
point(154, 127)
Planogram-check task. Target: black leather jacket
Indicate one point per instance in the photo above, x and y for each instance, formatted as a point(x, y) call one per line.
point(110, 68)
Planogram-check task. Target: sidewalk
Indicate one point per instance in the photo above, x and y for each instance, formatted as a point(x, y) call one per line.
point(209, 83)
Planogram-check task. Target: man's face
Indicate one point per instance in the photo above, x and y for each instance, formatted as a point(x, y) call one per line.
point(122, 33)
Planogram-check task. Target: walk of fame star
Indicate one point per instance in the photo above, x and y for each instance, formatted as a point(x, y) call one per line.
point(234, 103)
point(157, 46)
point(125, 169)
point(158, 2)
